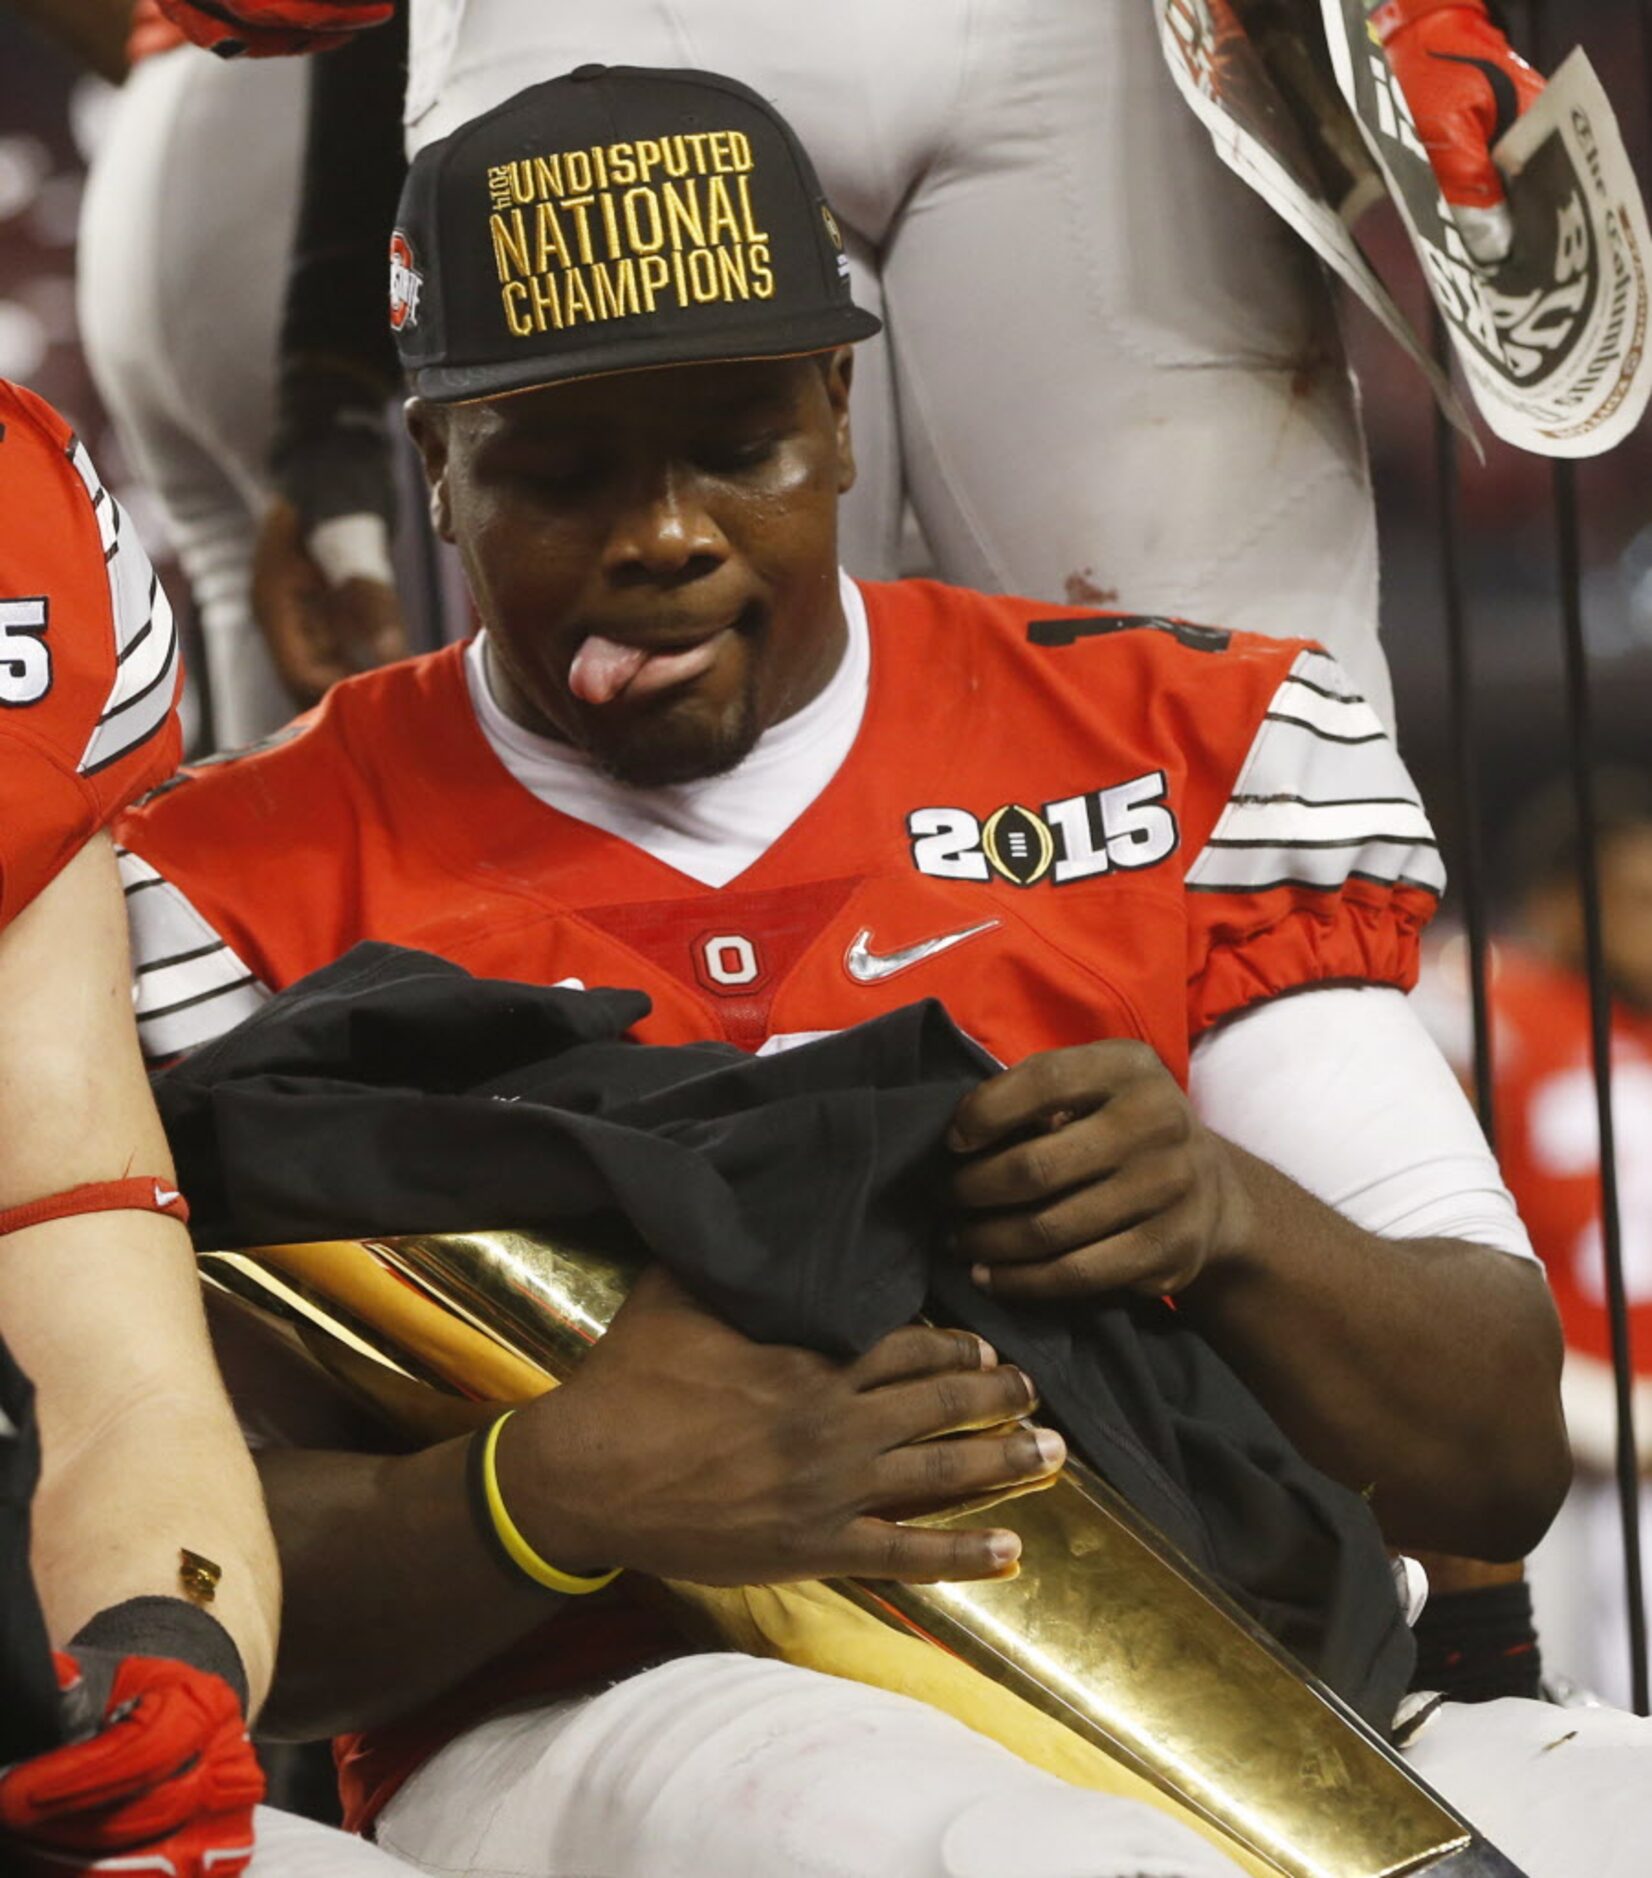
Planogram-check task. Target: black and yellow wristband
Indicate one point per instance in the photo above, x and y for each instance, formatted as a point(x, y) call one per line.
point(504, 1536)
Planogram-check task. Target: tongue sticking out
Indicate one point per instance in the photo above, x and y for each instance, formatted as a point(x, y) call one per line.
point(601, 669)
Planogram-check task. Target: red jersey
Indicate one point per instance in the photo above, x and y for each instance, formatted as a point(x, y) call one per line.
point(1065, 825)
point(1548, 1141)
point(89, 669)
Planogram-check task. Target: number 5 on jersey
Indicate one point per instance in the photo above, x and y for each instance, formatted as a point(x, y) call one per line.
point(25, 662)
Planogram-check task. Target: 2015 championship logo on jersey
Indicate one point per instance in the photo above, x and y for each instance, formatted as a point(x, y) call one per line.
point(1074, 838)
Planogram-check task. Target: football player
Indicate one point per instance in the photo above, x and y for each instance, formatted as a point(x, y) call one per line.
point(686, 753)
point(1044, 133)
point(152, 1554)
point(188, 210)
point(1548, 1140)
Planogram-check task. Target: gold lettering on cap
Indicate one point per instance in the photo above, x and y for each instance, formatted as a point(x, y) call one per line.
point(721, 222)
point(618, 230)
point(550, 245)
point(731, 271)
point(702, 275)
point(654, 240)
point(510, 245)
point(579, 207)
point(616, 287)
point(547, 308)
point(752, 231)
point(682, 213)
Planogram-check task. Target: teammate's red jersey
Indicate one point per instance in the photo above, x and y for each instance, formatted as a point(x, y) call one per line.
point(1066, 826)
point(1548, 1141)
point(89, 671)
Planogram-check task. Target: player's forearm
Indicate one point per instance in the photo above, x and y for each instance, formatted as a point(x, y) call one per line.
point(391, 1593)
point(141, 1454)
point(1425, 1370)
point(113, 1515)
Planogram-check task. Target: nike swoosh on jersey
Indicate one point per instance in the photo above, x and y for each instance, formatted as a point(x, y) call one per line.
point(867, 967)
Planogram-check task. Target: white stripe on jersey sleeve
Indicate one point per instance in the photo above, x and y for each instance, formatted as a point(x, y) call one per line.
point(146, 635)
point(1266, 821)
point(1322, 797)
point(188, 984)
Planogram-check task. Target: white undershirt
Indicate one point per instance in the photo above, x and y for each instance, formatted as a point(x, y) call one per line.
point(709, 830)
point(1341, 1089)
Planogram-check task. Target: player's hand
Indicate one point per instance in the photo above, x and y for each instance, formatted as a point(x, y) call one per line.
point(1465, 85)
point(166, 1783)
point(318, 631)
point(272, 29)
point(684, 1449)
point(1086, 1170)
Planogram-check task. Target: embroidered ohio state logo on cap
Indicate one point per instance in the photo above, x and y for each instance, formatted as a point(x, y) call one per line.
point(406, 283)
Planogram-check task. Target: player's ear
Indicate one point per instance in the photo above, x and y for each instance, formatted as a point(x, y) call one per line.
point(839, 372)
point(427, 426)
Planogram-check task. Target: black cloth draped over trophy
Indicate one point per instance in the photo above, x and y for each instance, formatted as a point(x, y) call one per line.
point(798, 1194)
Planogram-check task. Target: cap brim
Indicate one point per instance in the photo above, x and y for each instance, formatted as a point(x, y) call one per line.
point(769, 339)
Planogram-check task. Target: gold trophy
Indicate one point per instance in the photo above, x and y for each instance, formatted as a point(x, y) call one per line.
point(1110, 1659)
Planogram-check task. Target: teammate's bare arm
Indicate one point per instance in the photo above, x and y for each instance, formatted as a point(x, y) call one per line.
point(141, 1454)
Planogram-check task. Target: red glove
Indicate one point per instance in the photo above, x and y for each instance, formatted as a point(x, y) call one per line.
point(169, 1775)
point(1465, 85)
point(271, 29)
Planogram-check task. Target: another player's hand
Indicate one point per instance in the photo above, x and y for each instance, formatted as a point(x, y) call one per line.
point(167, 1783)
point(318, 631)
point(1086, 1170)
point(684, 1449)
point(1465, 85)
point(272, 29)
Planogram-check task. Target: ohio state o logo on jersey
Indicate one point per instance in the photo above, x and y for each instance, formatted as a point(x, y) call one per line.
point(406, 283)
point(728, 963)
point(1126, 826)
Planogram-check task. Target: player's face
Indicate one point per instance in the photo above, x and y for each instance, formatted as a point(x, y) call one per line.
point(654, 554)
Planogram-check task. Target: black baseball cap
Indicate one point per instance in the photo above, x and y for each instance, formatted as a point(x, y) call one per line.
point(609, 220)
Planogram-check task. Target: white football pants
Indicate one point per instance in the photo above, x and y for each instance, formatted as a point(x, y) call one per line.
point(753, 1769)
point(744, 1768)
point(1578, 1590)
point(290, 1847)
point(1109, 373)
point(184, 237)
